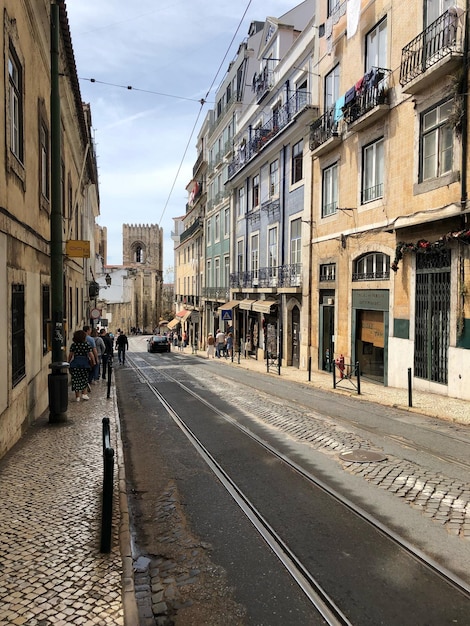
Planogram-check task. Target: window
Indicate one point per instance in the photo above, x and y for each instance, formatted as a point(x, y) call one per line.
point(46, 316)
point(372, 266)
point(255, 192)
point(44, 160)
point(208, 273)
point(139, 255)
point(301, 94)
point(333, 6)
point(226, 271)
point(331, 88)
point(295, 243)
point(297, 162)
point(226, 223)
point(241, 202)
point(240, 257)
point(435, 8)
point(217, 227)
point(376, 46)
point(274, 179)
point(272, 251)
point(217, 272)
point(327, 272)
point(208, 232)
point(15, 78)
point(373, 171)
point(255, 255)
point(330, 190)
point(436, 150)
point(18, 354)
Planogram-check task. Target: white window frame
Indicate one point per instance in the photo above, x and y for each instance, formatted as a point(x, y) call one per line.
point(273, 252)
point(331, 87)
point(240, 256)
point(376, 46)
point(330, 190)
point(274, 179)
point(296, 242)
point(241, 202)
point(436, 142)
point(373, 171)
point(254, 254)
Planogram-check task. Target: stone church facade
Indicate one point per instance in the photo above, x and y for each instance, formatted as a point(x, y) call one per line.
point(134, 298)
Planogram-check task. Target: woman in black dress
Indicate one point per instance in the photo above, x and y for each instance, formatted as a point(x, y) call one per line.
point(80, 365)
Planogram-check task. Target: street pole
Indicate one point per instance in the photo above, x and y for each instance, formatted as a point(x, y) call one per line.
point(58, 378)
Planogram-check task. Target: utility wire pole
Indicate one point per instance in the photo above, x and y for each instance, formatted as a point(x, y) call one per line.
point(58, 378)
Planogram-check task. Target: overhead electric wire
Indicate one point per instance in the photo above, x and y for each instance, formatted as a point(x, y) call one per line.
point(131, 88)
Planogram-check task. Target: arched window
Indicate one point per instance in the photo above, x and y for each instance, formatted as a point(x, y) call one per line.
point(372, 266)
point(138, 255)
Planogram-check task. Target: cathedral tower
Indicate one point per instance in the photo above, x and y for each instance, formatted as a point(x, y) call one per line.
point(142, 254)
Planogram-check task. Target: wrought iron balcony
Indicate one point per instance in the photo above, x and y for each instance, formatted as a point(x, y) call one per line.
point(369, 93)
point(260, 137)
point(323, 129)
point(192, 230)
point(443, 38)
point(279, 276)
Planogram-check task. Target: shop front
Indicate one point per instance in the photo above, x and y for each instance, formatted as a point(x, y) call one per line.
point(370, 319)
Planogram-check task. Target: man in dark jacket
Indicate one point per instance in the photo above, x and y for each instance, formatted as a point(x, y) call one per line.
point(122, 345)
point(108, 352)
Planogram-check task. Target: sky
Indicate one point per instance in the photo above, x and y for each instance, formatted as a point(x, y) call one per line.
point(173, 53)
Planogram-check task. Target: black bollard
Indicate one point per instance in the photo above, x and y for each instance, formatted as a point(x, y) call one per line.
point(410, 393)
point(309, 368)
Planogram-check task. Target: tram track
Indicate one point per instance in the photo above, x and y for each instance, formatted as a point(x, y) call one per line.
point(300, 572)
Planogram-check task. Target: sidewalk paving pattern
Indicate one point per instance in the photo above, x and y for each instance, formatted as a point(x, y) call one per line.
point(51, 568)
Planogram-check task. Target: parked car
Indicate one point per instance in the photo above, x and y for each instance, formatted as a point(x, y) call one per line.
point(158, 343)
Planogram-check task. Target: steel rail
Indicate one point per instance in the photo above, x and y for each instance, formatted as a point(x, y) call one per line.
point(451, 578)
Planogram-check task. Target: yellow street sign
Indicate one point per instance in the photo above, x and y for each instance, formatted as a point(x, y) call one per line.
point(78, 248)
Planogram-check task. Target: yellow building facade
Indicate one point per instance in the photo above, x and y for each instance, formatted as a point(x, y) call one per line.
point(389, 211)
point(26, 179)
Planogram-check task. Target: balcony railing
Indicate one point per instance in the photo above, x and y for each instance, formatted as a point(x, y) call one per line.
point(259, 137)
point(323, 129)
point(440, 39)
point(369, 93)
point(384, 275)
point(189, 232)
point(279, 276)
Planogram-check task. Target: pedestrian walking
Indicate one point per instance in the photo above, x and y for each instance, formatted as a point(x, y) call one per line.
point(91, 341)
point(122, 345)
point(100, 348)
point(210, 346)
point(107, 355)
point(81, 360)
point(229, 345)
point(219, 343)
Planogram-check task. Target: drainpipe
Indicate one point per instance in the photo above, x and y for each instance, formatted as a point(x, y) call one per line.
point(463, 184)
point(58, 378)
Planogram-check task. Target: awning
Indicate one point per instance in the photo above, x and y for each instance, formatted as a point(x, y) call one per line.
point(183, 315)
point(173, 323)
point(228, 305)
point(245, 304)
point(264, 306)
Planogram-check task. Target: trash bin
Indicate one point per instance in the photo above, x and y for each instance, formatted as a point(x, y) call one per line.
point(58, 381)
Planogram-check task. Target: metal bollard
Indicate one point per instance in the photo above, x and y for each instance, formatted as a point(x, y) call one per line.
point(410, 392)
point(110, 372)
point(108, 485)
